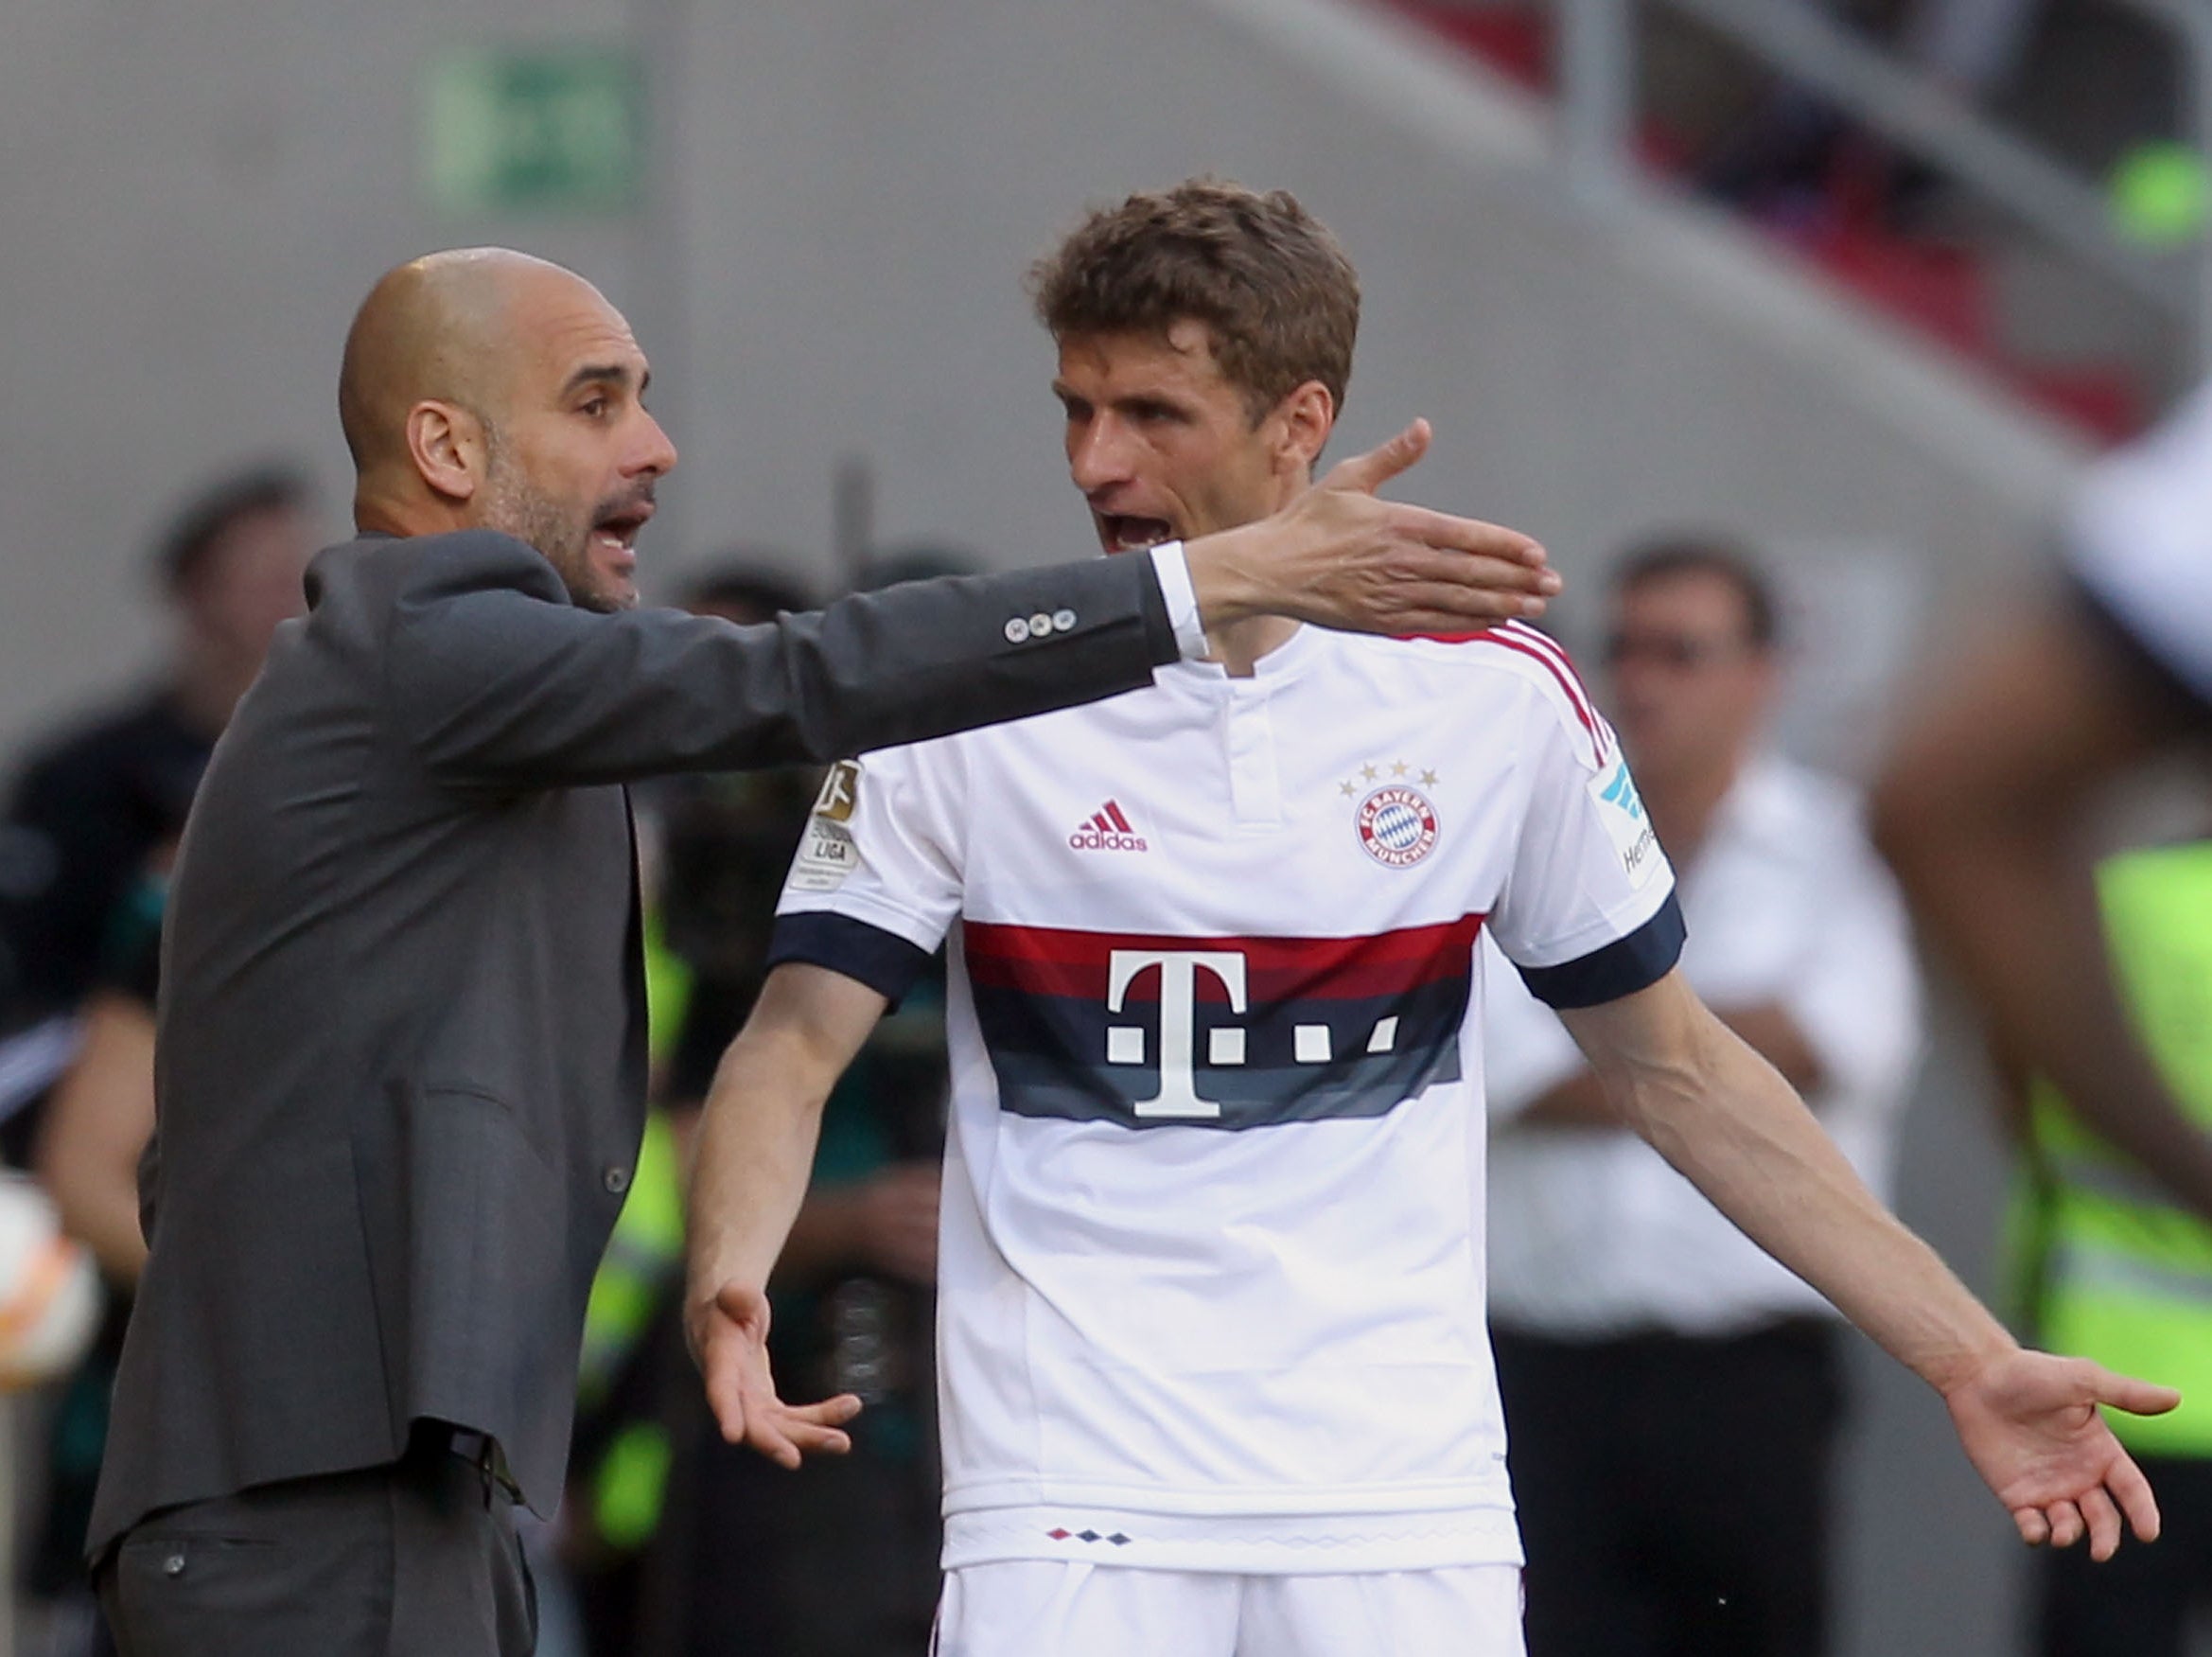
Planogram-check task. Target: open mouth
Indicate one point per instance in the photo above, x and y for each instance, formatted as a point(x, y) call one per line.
point(1126, 532)
point(616, 531)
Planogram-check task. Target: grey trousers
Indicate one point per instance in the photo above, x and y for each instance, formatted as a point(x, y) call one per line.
point(417, 1559)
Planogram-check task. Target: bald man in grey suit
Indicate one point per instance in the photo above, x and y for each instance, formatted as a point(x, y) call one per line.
point(401, 1062)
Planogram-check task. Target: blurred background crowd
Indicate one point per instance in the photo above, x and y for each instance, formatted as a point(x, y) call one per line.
point(1789, 325)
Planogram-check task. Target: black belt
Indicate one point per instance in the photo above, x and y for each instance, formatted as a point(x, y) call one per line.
point(482, 1451)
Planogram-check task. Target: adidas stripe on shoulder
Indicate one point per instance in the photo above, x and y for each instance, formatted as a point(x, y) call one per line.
point(1564, 684)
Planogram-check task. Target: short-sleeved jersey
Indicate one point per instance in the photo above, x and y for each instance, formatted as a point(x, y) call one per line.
point(1211, 1256)
point(2140, 543)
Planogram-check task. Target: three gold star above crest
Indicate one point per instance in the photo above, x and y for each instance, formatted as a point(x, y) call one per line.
point(1397, 768)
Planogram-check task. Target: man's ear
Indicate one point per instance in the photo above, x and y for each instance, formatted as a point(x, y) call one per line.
point(1308, 414)
point(447, 444)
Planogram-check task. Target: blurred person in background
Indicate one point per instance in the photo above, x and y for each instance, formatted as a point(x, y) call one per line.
point(1991, 806)
point(636, 1425)
point(93, 1131)
point(102, 1113)
point(688, 1546)
point(1673, 1393)
point(2106, 1266)
point(840, 1559)
point(92, 805)
point(90, 820)
point(1215, 1374)
point(719, 843)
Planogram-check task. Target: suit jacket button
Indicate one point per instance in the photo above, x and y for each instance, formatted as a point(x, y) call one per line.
point(616, 1178)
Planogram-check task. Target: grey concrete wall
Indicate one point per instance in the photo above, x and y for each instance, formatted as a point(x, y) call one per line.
point(196, 196)
point(828, 265)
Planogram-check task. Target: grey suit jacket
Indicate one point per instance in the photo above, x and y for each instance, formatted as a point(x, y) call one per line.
point(401, 1062)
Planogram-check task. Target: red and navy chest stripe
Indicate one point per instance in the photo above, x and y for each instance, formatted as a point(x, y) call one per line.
point(1148, 1030)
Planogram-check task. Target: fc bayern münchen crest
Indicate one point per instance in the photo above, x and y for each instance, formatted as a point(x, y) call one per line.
point(1398, 825)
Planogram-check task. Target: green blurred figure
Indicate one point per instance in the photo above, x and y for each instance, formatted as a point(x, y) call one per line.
point(684, 1546)
point(2112, 1268)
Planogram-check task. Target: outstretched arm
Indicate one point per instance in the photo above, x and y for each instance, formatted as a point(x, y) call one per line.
point(96, 1128)
point(1579, 1100)
point(1984, 812)
point(1729, 1121)
point(756, 1150)
point(501, 683)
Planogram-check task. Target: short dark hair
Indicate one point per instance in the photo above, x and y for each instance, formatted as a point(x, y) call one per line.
point(199, 526)
point(1721, 556)
point(1275, 293)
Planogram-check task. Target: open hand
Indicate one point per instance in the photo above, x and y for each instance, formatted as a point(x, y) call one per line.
point(2030, 1423)
point(1341, 558)
point(729, 1338)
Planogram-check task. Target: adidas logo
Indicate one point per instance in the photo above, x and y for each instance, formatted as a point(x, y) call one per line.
point(1107, 831)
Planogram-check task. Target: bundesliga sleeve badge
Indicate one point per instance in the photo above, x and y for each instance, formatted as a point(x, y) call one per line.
point(828, 854)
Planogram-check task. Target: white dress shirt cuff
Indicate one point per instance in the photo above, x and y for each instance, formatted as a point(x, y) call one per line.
point(1174, 573)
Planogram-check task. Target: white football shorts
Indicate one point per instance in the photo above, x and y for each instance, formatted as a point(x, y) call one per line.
point(1022, 1607)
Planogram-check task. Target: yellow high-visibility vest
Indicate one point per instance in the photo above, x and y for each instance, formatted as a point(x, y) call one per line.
point(642, 1263)
point(2111, 1267)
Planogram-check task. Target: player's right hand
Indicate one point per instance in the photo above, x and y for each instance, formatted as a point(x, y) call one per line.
point(729, 1334)
point(1341, 557)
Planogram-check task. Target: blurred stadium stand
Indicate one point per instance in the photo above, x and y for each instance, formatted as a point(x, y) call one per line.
point(823, 255)
point(1987, 222)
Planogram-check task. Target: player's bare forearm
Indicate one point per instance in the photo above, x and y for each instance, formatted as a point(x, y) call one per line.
point(96, 1128)
point(1982, 813)
point(1735, 1128)
point(1581, 1100)
point(2014, 910)
point(762, 1115)
point(755, 1154)
point(2028, 1421)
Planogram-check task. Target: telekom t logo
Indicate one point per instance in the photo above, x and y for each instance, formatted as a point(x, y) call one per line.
point(1178, 970)
point(1179, 1097)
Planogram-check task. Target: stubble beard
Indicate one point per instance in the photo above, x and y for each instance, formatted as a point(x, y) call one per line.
point(562, 533)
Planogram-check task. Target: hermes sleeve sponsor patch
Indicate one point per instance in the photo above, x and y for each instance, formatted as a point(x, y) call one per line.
point(1620, 809)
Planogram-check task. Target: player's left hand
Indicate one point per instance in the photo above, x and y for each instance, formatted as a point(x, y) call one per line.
point(2029, 1424)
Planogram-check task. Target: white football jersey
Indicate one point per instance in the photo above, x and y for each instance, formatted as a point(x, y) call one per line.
point(2140, 540)
point(1211, 1248)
